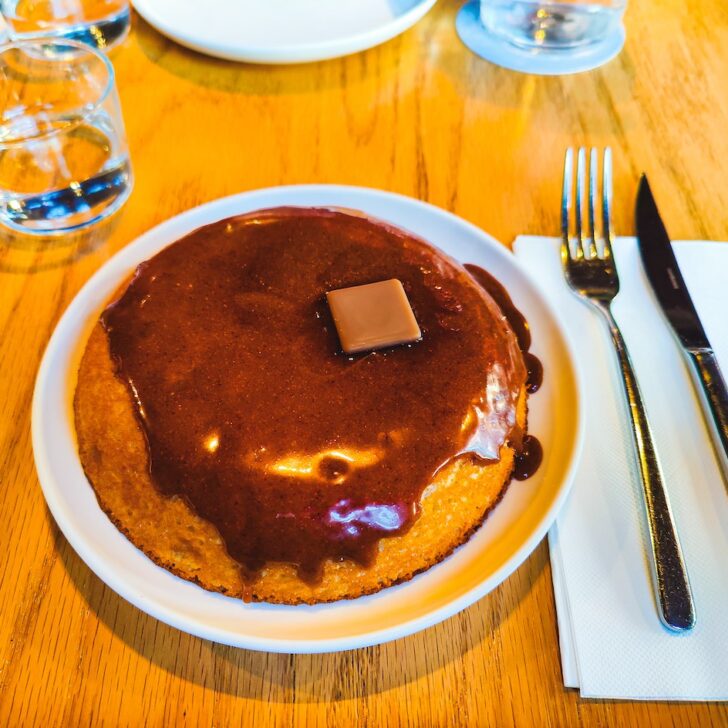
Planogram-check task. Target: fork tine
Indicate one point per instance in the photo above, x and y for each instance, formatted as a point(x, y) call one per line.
point(593, 171)
point(580, 170)
point(607, 201)
point(566, 203)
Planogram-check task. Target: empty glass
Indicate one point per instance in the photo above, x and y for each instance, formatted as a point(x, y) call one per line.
point(102, 23)
point(552, 24)
point(64, 163)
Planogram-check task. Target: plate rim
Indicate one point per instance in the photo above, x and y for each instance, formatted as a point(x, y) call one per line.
point(291, 53)
point(52, 492)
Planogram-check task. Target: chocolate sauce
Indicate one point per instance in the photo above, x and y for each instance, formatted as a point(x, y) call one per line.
point(528, 458)
point(534, 367)
point(295, 451)
point(530, 451)
point(516, 320)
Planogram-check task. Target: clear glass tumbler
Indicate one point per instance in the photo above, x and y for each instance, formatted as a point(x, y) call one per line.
point(64, 162)
point(552, 24)
point(101, 23)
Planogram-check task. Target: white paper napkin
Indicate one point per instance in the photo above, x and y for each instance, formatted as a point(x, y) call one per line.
point(612, 642)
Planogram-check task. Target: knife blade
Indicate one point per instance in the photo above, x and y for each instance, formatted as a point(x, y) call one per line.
point(672, 294)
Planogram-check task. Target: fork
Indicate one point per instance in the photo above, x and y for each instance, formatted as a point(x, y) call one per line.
point(592, 275)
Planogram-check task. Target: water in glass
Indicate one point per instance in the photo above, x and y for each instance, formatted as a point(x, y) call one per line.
point(63, 157)
point(552, 24)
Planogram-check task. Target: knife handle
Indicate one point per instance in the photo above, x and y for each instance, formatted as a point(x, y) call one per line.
point(713, 394)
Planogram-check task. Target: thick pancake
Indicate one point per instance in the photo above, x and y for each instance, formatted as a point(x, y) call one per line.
point(114, 455)
point(227, 435)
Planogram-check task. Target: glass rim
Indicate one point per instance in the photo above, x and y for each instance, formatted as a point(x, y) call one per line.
point(84, 111)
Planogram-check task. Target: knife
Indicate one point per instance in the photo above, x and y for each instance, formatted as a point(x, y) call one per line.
point(672, 294)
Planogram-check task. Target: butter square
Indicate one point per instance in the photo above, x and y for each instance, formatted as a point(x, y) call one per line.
point(373, 316)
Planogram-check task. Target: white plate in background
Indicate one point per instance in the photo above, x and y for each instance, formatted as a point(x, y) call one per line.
point(281, 31)
point(505, 540)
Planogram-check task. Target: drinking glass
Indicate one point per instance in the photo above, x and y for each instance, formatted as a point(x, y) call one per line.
point(64, 163)
point(552, 24)
point(101, 23)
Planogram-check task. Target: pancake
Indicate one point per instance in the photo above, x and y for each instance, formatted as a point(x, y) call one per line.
point(436, 463)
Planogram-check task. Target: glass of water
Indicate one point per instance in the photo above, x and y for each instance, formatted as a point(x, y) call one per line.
point(64, 163)
point(552, 24)
point(102, 23)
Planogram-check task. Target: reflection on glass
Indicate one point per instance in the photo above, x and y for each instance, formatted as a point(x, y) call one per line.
point(552, 24)
point(100, 23)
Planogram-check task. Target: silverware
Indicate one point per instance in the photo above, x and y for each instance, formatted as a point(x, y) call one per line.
point(592, 275)
point(667, 282)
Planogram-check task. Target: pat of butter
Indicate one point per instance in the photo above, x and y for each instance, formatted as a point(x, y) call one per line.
point(373, 316)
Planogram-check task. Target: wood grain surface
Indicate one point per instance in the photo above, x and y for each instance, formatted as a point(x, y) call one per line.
point(422, 116)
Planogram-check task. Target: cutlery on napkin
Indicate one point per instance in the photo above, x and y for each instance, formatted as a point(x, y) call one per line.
point(667, 282)
point(611, 644)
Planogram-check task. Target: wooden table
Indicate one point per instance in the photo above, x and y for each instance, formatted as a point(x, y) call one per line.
point(422, 116)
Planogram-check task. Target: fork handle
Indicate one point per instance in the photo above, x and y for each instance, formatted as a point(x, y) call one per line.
point(674, 598)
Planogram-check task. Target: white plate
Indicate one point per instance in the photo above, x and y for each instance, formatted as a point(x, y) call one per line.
point(281, 31)
point(508, 536)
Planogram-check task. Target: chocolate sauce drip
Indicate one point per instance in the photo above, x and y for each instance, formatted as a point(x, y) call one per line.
point(293, 450)
point(534, 367)
point(516, 320)
point(530, 452)
point(528, 458)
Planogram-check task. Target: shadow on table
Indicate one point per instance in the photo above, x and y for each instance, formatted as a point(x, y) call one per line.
point(603, 89)
point(24, 253)
point(281, 678)
point(399, 67)
point(251, 79)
